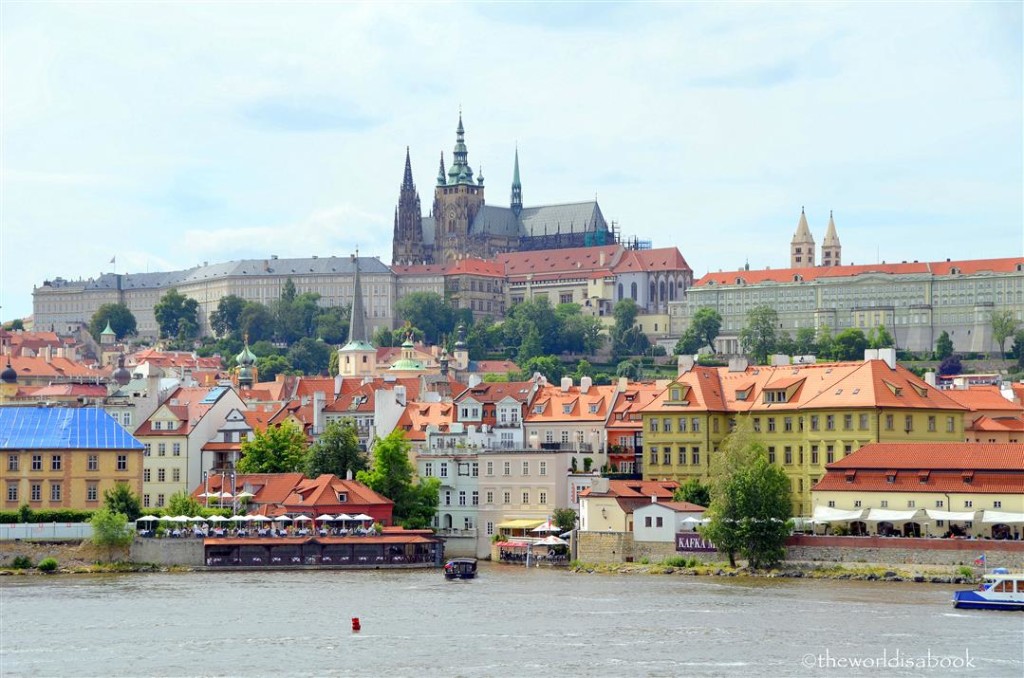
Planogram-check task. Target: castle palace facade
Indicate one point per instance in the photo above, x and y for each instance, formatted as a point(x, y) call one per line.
point(461, 225)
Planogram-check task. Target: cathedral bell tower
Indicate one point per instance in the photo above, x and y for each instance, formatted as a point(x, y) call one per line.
point(407, 246)
point(457, 199)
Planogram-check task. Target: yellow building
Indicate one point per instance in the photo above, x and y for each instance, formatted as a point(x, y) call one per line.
point(65, 458)
point(806, 415)
point(978, 486)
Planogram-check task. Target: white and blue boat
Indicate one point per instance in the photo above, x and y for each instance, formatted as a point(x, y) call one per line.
point(1001, 590)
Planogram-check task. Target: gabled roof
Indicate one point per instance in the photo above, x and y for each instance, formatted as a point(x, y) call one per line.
point(984, 398)
point(51, 428)
point(418, 416)
point(661, 259)
point(636, 489)
point(323, 491)
point(552, 404)
point(493, 392)
point(189, 404)
point(935, 456)
point(630, 403)
point(997, 425)
point(574, 261)
point(681, 506)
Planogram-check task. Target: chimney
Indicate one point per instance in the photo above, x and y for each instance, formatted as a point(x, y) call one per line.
point(889, 356)
point(737, 364)
point(929, 378)
point(474, 380)
point(870, 354)
point(778, 360)
point(654, 499)
point(585, 384)
point(348, 474)
point(400, 394)
point(599, 486)
point(566, 384)
point(623, 384)
point(600, 259)
point(684, 364)
point(337, 386)
point(319, 402)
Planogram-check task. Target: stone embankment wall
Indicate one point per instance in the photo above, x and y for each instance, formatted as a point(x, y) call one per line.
point(187, 552)
point(902, 551)
point(619, 547)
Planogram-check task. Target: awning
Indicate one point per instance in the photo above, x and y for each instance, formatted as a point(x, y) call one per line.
point(825, 514)
point(520, 524)
point(954, 516)
point(1002, 517)
point(889, 516)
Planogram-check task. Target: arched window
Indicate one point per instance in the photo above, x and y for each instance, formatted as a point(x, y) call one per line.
point(661, 291)
point(653, 295)
point(671, 291)
point(620, 291)
point(632, 291)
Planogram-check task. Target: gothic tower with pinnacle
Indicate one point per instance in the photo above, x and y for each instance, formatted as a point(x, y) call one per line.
point(457, 199)
point(407, 246)
point(831, 250)
point(801, 248)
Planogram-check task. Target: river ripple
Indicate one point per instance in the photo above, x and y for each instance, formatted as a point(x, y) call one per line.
point(508, 622)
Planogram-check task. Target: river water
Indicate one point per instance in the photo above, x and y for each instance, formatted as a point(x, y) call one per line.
point(510, 621)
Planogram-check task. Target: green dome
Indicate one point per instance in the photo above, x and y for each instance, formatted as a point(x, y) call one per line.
point(246, 357)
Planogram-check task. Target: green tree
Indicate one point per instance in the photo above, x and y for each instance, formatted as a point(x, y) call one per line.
point(826, 342)
point(121, 320)
point(759, 336)
point(1004, 324)
point(337, 451)
point(763, 491)
point(531, 328)
point(177, 316)
point(688, 343)
point(804, 343)
point(183, 504)
point(256, 322)
point(694, 492)
point(579, 333)
point(943, 346)
point(706, 324)
point(631, 369)
point(564, 518)
point(484, 337)
point(627, 338)
point(849, 344)
point(583, 369)
point(15, 325)
point(391, 475)
point(225, 320)
point(429, 312)
point(279, 449)
point(880, 337)
point(110, 530)
point(309, 356)
point(531, 348)
point(551, 367)
point(1017, 350)
point(295, 314)
point(384, 336)
point(332, 324)
point(272, 365)
point(121, 499)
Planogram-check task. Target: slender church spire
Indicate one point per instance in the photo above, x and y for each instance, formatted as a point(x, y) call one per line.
point(407, 178)
point(801, 247)
point(441, 180)
point(831, 250)
point(357, 324)
point(517, 187)
point(460, 172)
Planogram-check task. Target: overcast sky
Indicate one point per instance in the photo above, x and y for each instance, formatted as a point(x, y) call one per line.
point(168, 134)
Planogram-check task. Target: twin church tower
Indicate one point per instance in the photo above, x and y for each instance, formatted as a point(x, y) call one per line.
point(801, 248)
point(461, 225)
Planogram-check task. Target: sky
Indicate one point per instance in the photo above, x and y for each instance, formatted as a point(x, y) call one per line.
point(163, 135)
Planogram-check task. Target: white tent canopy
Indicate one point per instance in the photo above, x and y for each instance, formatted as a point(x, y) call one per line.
point(890, 516)
point(952, 516)
point(992, 517)
point(825, 514)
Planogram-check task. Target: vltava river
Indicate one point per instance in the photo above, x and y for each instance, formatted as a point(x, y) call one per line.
point(507, 622)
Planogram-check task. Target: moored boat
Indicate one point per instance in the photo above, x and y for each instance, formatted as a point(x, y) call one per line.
point(460, 568)
point(1001, 590)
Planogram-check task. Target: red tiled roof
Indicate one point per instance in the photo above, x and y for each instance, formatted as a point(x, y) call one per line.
point(683, 506)
point(996, 424)
point(977, 398)
point(481, 267)
point(496, 366)
point(492, 392)
point(636, 489)
point(575, 261)
point(935, 456)
point(984, 482)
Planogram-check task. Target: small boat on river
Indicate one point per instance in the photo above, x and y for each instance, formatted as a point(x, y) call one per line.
point(460, 568)
point(1001, 590)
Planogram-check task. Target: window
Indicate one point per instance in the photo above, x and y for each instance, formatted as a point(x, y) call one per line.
point(666, 425)
point(939, 503)
point(814, 455)
point(788, 455)
point(462, 497)
point(682, 424)
point(93, 462)
point(654, 456)
point(911, 503)
point(475, 469)
point(476, 498)
point(856, 504)
point(507, 497)
point(161, 449)
point(831, 504)
point(148, 450)
point(659, 522)
point(12, 462)
point(695, 456)
point(968, 504)
point(526, 468)
point(122, 462)
point(543, 497)
point(908, 423)
point(997, 504)
point(830, 422)
point(830, 454)
point(490, 497)
point(146, 475)
point(447, 497)
point(506, 468)
point(787, 424)
point(37, 462)
point(757, 424)
point(159, 500)
point(931, 423)
point(526, 497)
point(814, 422)
point(55, 491)
point(771, 454)
point(863, 422)
point(158, 425)
point(666, 456)
point(543, 468)
point(36, 492)
point(126, 417)
point(648, 521)
point(176, 449)
point(55, 462)
point(889, 422)
point(444, 469)
point(771, 424)
point(12, 491)
point(428, 469)
point(161, 475)
point(695, 425)
point(847, 422)
point(885, 503)
point(950, 424)
point(490, 468)
point(145, 500)
point(653, 425)
point(490, 528)
point(176, 475)
point(91, 492)
point(682, 455)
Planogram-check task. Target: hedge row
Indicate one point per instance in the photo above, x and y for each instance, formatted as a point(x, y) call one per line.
point(45, 516)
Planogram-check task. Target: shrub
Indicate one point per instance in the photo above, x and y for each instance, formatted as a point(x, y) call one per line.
point(645, 561)
point(21, 563)
point(675, 561)
point(965, 571)
point(47, 565)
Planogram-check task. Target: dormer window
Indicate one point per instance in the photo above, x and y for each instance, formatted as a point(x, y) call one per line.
point(158, 425)
point(567, 409)
point(342, 497)
point(539, 409)
point(890, 477)
point(675, 394)
point(594, 407)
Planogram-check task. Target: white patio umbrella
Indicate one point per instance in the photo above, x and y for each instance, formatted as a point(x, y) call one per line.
point(283, 519)
point(362, 516)
point(181, 519)
point(196, 519)
point(239, 518)
point(547, 526)
point(551, 540)
point(225, 495)
point(324, 518)
point(259, 519)
point(217, 519)
point(302, 519)
point(146, 519)
point(343, 516)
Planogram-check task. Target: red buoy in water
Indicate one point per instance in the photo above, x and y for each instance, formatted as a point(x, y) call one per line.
point(355, 624)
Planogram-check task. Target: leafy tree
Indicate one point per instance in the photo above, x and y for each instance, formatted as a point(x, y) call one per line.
point(225, 321)
point(531, 328)
point(688, 343)
point(270, 366)
point(549, 366)
point(110, 530)
point(631, 369)
point(337, 451)
point(256, 322)
point(1017, 350)
point(227, 348)
point(295, 314)
point(121, 499)
point(750, 501)
point(177, 316)
point(483, 338)
point(183, 504)
point(391, 475)
point(383, 336)
point(880, 337)
point(429, 312)
point(943, 346)
point(694, 492)
point(121, 320)
point(706, 324)
point(785, 344)
point(759, 336)
point(1004, 324)
point(531, 347)
point(826, 342)
point(627, 339)
point(583, 369)
point(804, 343)
point(279, 449)
point(564, 518)
point(951, 366)
point(581, 333)
point(849, 344)
point(309, 356)
point(16, 324)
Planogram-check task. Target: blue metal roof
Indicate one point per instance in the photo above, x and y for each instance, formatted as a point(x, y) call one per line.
point(60, 428)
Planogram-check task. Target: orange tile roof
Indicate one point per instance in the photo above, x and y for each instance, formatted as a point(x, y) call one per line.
point(935, 456)
point(636, 489)
point(628, 404)
point(996, 424)
point(551, 404)
point(418, 416)
point(482, 267)
point(575, 260)
point(661, 259)
point(492, 392)
point(683, 506)
point(978, 398)
point(786, 275)
point(496, 366)
point(983, 482)
point(39, 368)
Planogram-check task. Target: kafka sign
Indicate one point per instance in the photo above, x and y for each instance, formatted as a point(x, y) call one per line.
point(692, 542)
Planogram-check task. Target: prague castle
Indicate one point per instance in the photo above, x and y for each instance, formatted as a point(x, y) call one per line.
point(461, 225)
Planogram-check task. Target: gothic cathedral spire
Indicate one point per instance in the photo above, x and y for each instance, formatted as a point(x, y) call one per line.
point(831, 250)
point(407, 246)
point(517, 187)
point(801, 248)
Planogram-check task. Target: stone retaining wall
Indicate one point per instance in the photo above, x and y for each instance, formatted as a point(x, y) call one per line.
point(902, 551)
point(187, 552)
